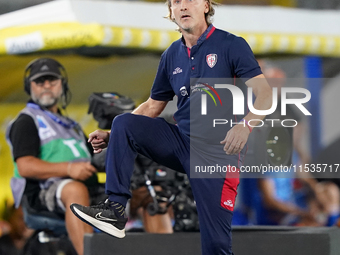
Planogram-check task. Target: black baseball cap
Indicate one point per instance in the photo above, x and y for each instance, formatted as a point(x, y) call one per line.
point(43, 67)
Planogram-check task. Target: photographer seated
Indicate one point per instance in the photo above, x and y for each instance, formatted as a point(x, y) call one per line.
point(50, 151)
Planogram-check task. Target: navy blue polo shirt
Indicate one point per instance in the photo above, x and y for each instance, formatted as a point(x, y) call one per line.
point(217, 54)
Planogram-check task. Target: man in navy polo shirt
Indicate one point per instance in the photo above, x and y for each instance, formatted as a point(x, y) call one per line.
point(202, 52)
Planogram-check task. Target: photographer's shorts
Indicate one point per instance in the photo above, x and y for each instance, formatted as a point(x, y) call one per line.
point(51, 197)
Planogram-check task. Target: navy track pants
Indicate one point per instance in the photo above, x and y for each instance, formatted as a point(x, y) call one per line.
point(165, 144)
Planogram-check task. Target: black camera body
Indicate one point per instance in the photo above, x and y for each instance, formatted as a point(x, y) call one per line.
point(106, 106)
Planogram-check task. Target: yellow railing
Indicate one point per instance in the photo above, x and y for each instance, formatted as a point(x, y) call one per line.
point(56, 36)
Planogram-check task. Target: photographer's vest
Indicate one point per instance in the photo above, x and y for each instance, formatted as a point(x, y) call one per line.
point(61, 139)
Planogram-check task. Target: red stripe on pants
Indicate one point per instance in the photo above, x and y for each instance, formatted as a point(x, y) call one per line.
point(229, 190)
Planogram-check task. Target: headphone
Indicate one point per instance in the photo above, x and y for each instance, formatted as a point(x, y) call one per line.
point(64, 79)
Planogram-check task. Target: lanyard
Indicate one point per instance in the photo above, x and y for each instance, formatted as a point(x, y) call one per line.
point(69, 125)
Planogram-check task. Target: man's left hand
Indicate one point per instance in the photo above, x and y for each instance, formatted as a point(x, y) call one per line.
point(235, 139)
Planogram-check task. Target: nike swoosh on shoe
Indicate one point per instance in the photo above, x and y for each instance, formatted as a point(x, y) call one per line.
point(99, 216)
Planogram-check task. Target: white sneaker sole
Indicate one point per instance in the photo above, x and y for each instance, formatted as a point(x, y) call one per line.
point(103, 226)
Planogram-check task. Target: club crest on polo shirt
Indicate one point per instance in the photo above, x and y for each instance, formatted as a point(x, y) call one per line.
point(211, 60)
point(45, 131)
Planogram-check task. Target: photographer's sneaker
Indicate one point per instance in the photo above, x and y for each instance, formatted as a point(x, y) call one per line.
point(107, 216)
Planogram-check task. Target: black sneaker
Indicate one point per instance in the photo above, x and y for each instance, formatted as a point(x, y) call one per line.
point(101, 216)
